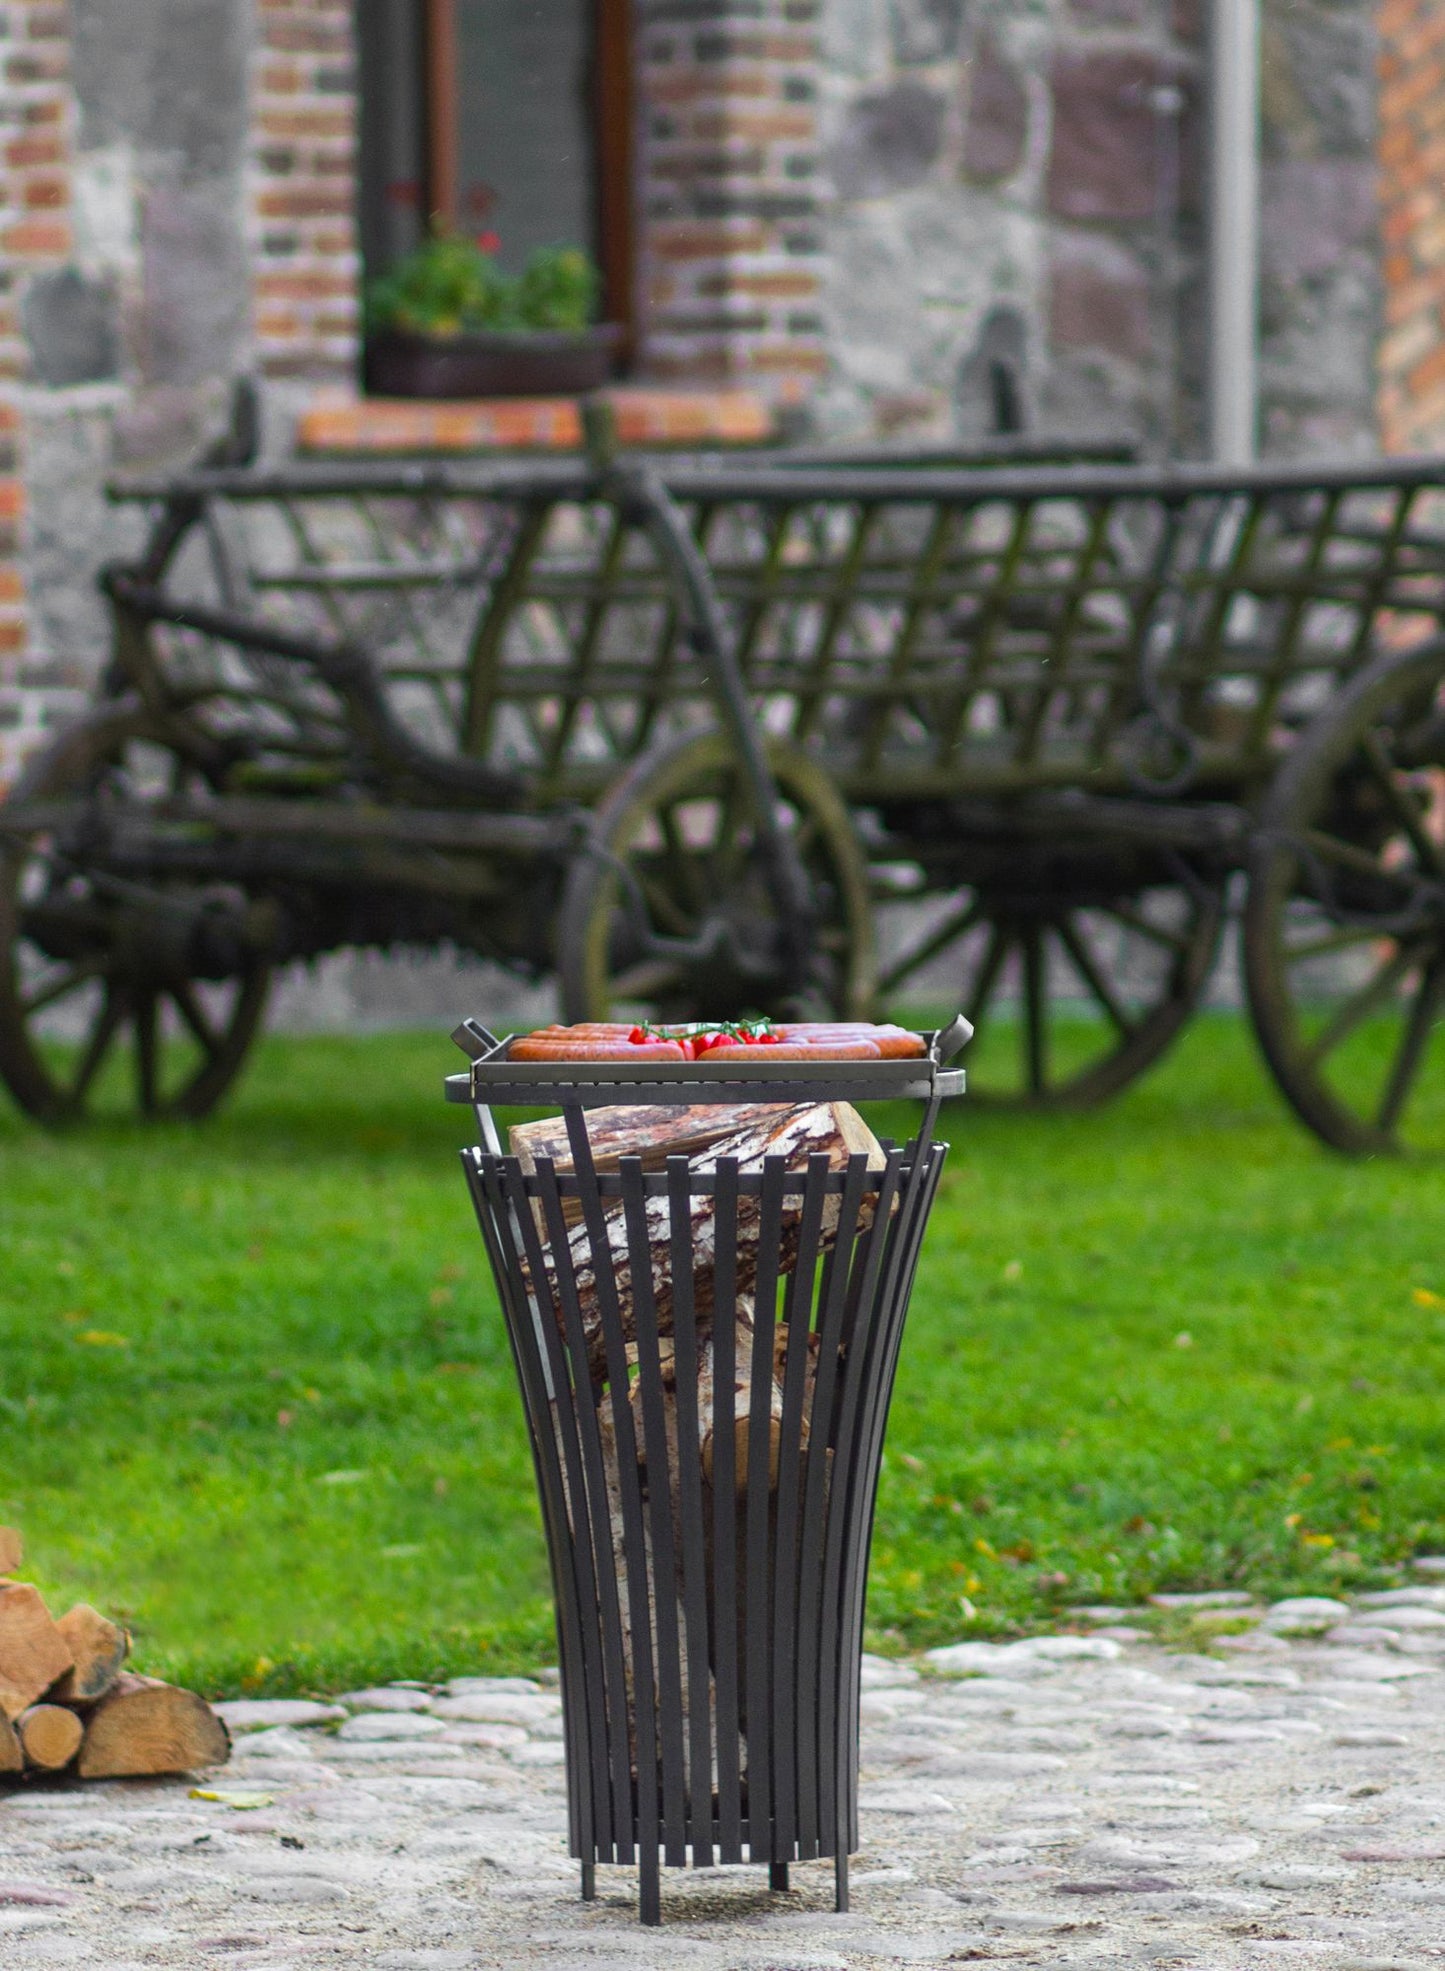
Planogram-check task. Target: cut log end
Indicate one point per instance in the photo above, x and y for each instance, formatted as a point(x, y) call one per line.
point(142, 1728)
point(49, 1736)
point(99, 1649)
point(11, 1550)
point(33, 1653)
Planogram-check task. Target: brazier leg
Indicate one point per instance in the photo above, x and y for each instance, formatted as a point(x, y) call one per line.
point(589, 1882)
point(649, 1888)
point(777, 1875)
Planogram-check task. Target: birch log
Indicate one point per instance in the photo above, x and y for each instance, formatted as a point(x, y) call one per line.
point(832, 1129)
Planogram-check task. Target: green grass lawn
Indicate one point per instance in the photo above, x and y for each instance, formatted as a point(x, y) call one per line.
point(255, 1396)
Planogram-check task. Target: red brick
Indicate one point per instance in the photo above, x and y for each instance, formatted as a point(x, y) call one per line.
point(47, 194)
point(36, 237)
point(304, 201)
point(23, 152)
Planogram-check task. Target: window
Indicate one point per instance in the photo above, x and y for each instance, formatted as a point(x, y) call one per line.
point(506, 119)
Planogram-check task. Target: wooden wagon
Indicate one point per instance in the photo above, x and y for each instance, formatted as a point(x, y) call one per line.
point(719, 737)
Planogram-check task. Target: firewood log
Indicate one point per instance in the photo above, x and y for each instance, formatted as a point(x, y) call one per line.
point(832, 1129)
point(33, 1653)
point(10, 1550)
point(707, 1400)
point(653, 1132)
point(12, 1758)
point(99, 1649)
point(49, 1736)
point(142, 1727)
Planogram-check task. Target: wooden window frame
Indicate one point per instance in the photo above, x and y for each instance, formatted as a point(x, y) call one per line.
point(613, 100)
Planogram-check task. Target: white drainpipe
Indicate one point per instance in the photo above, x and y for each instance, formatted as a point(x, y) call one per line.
point(1234, 231)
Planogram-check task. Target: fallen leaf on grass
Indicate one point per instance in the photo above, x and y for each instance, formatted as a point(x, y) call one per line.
point(243, 1803)
point(102, 1338)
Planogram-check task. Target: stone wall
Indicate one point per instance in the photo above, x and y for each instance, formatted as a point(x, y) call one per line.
point(1013, 230)
point(1412, 192)
point(727, 194)
point(37, 240)
point(1321, 292)
point(302, 167)
point(175, 210)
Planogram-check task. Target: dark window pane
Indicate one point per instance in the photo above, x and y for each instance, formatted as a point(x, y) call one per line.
point(525, 126)
point(393, 167)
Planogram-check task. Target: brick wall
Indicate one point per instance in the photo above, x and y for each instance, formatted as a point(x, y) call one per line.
point(37, 128)
point(1412, 194)
point(305, 262)
point(728, 165)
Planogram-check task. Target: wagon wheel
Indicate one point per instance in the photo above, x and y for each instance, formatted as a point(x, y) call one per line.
point(97, 960)
point(672, 911)
point(1345, 922)
point(1074, 994)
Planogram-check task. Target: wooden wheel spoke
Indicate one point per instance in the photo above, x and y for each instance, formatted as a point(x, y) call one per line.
point(988, 973)
point(98, 1046)
point(647, 978)
point(1035, 1023)
point(1408, 1061)
point(193, 1013)
point(1329, 942)
point(68, 982)
point(1329, 848)
point(952, 928)
point(663, 907)
point(1083, 963)
point(147, 1012)
point(1360, 1005)
point(681, 860)
point(1410, 817)
point(1134, 920)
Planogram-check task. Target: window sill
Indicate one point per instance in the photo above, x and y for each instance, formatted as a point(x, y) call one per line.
point(378, 427)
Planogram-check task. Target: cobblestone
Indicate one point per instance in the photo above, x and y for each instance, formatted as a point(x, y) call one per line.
point(1039, 1803)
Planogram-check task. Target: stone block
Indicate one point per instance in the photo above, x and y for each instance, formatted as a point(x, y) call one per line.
point(1112, 13)
point(890, 141)
point(1108, 146)
point(195, 284)
point(72, 326)
point(1313, 211)
point(925, 30)
point(1099, 299)
point(169, 76)
point(998, 115)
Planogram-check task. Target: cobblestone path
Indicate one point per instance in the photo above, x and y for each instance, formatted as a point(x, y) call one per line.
point(1096, 1800)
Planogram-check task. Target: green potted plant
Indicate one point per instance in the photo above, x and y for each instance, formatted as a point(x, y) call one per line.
point(447, 322)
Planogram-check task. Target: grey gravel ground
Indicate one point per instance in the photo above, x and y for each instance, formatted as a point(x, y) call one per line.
point(1097, 1800)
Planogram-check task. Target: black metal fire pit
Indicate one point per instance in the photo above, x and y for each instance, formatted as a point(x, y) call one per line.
point(706, 1358)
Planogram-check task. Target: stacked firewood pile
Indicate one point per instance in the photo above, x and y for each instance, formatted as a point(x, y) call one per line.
point(67, 1702)
point(705, 1134)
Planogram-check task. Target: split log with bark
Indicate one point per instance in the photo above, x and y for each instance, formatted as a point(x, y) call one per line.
point(50, 1736)
point(142, 1727)
point(831, 1129)
point(33, 1652)
point(98, 1650)
point(65, 1700)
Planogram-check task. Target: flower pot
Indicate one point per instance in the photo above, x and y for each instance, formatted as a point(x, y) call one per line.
point(530, 363)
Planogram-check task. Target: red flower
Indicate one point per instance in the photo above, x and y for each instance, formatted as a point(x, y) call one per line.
point(489, 241)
